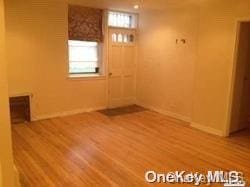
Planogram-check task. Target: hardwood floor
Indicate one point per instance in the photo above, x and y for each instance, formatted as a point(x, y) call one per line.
point(92, 149)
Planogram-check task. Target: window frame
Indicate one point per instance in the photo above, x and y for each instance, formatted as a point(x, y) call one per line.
point(98, 71)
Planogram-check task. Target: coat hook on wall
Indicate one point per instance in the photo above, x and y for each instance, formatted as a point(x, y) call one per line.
point(183, 41)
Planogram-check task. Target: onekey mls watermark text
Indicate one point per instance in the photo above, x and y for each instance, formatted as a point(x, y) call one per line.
point(228, 179)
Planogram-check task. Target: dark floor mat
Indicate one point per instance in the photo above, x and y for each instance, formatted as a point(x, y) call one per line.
point(122, 110)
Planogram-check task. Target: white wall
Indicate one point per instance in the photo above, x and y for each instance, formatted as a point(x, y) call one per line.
point(165, 70)
point(191, 81)
point(37, 37)
point(214, 65)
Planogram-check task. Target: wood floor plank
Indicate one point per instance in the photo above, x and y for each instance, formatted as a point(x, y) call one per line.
point(92, 149)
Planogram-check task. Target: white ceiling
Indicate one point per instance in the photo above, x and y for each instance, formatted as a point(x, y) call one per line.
point(127, 5)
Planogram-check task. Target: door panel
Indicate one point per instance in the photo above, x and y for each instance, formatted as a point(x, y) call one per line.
point(129, 56)
point(129, 60)
point(116, 53)
point(115, 90)
point(122, 65)
point(129, 90)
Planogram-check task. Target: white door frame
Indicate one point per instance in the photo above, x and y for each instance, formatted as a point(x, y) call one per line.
point(226, 131)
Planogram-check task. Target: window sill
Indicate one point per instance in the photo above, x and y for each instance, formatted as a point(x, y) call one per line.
point(86, 77)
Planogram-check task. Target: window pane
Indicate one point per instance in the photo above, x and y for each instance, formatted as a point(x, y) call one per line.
point(83, 53)
point(83, 56)
point(83, 67)
point(125, 38)
point(120, 37)
point(114, 37)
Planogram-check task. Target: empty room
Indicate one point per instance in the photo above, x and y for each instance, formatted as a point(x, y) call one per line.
point(124, 93)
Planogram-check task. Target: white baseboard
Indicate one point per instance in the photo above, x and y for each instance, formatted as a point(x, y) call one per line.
point(207, 129)
point(161, 111)
point(184, 118)
point(66, 113)
point(167, 113)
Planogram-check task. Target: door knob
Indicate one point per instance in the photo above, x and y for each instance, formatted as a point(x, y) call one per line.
point(110, 74)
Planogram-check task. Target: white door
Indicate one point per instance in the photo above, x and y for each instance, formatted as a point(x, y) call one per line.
point(122, 67)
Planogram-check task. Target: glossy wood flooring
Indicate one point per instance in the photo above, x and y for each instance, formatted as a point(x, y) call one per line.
point(92, 149)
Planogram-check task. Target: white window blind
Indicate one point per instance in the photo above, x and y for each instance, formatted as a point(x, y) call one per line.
point(122, 20)
point(83, 57)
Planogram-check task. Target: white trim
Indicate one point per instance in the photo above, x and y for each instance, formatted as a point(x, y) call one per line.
point(167, 113)
point(86, 77)
point(185, 119)
point(21, 94)
point(161, 111)
point(135, 12)
point(207, 129)
point(66, 113)
point(106, 56)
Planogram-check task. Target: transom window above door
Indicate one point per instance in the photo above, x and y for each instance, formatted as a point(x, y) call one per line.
point(122, 20)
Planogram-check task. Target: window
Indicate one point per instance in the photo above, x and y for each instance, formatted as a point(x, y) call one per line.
point(123, 38)
point(123, 20)
point(83, 57)
point(85, 31)
point(119, 37)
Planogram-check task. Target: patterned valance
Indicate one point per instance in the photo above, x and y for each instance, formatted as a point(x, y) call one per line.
point(85, 23)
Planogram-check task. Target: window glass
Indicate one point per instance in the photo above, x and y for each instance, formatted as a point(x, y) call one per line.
point(83, 57)
point(125, 38)
point(120, 37)
point(114, 37)
point(123, 20)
